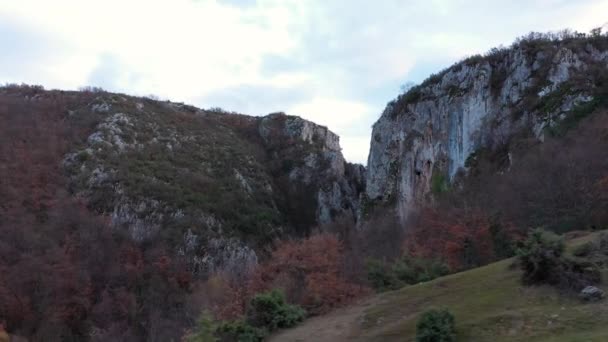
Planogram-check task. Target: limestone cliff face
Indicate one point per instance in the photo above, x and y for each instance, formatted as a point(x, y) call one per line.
point(424, 137)
point(216, 186)
point(320, 166)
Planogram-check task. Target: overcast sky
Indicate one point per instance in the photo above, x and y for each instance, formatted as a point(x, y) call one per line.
point(335, 62)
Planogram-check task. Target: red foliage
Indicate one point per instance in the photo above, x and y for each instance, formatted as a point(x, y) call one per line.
point(64, 273)
point(310, 272)
point(222, 296)
point(461, 238)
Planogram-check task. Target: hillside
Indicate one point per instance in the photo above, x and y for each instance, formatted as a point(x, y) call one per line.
point(216, 186)
point(489, 304)
point(119, 208)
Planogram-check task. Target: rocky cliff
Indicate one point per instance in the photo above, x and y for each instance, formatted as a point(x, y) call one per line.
point(538, 86)
point(216, 186)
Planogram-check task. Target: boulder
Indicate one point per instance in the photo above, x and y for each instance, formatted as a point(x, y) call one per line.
point(591, 294)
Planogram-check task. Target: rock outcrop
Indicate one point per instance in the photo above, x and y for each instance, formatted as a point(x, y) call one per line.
point(424, 138)
point(320, 165)
point(591, 294)
point(216, 185)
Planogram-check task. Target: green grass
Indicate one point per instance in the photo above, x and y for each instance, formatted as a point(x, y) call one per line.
point(439, 183)
point(489, 304)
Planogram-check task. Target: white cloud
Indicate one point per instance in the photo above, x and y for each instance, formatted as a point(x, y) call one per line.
point(180, 48)
point(334, 113)
point(344, 117)
point(334, 62)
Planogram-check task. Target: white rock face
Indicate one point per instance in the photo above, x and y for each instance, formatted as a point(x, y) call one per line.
point(324, 167)
point(472, 105)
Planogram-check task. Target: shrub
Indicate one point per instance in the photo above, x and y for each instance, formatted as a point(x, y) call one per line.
point(269, 310)
point(542, 261)
point(435, 326)
point(240, 331)
point(404, 271)
point(540, 257)
point(380, 276)
point(204, 331)
point(208, 330)
point(416, 270)
point(584, 250)
point(593, 249)
point(91, 89)
point(439, 183)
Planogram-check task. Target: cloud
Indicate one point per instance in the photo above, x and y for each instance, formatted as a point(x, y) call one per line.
point(111, 73)
point(349, 119)
point(335, 62)
point(268, 98)
point(34, 57)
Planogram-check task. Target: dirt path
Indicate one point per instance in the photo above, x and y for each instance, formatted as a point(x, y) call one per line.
point(337, 326)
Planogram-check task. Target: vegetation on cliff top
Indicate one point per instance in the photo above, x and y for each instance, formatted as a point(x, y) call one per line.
point(535, 46)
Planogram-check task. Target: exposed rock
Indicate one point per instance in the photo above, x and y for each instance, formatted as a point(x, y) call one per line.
point(229, 255)
point(323, 167)
point(112, 132)
point(242, 181)
point(102, 107)
point(429, 132)
point(215, 184)
point(591, 294)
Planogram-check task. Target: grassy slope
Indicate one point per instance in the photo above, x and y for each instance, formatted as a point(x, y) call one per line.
point(489, 305)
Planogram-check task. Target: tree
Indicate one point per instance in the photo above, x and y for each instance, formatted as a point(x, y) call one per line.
point(310, 272)
point(435, 326)
point(205, 330)
point(540, 257)
point(460, 237)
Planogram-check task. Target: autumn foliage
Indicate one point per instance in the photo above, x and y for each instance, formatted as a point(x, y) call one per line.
point(65, 274)
point(463, 239)
point(559, 185)
point(311, 273)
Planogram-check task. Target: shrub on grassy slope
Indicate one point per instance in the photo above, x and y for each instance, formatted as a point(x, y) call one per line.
point(541, 257)
point(240, 331)
point(403, 271)
point(269, 310)
point(435, 326)
point(542, 261)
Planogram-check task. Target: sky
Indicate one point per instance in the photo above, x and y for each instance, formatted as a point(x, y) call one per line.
point(334, 62)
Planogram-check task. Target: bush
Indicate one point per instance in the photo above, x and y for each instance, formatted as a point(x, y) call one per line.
point(584, 250)
point(541, 257)
point(240, 331)
point(416, 270)
point(597, 249)
point(208, 330)
point(435, 326)
point(269, 310)
point(380, 276)
point(204, 331)
point(404, 271)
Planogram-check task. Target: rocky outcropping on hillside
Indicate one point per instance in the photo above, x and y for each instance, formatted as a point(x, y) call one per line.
point(425, 137)
point(216, 186)
point(320, 166)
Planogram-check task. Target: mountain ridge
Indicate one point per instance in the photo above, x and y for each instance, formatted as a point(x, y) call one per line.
point(426, 135)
